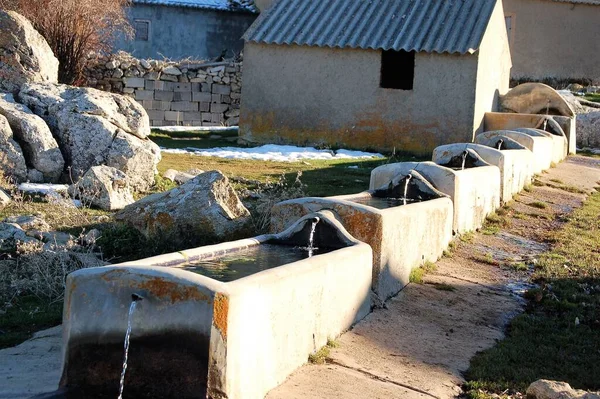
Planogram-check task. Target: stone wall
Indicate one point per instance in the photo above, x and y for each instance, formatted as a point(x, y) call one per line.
point(173, 93)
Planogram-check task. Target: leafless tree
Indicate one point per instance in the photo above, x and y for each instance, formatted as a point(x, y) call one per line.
point(75, 29)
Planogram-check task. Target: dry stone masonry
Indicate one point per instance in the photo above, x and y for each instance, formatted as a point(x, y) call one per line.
point(173, 94)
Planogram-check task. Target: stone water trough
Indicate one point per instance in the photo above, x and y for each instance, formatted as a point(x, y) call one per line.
point(402, 234)
point(475, 191)
point(542, 147)
point(225, 321)
point(514, 161)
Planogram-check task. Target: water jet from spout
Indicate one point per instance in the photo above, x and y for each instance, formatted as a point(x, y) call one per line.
point(135, 298)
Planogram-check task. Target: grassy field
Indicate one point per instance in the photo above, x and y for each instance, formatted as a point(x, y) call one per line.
point(558, 337)
point(593, 97)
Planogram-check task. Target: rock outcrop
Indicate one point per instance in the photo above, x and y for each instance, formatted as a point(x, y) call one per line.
point(25, 56)
point(588, 130)
point(37, 142)
point(97, 128)
point(546, 389)
point(12, 160)
point(206, 206)
point(4, 199)
point(104, 187)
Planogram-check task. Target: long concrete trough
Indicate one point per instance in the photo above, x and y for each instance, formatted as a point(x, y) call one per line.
point(194, 336)
point(516, 165)
point(560, 146)
point(475, 191)
point(402, 237)
point(542, 147)
point(494, 121)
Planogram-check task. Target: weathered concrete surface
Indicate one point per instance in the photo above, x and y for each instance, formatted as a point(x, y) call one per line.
point(402, 238)
point(244, 337)
point(534, 46)
point(475, 192)
point(516, 166)
point(560, 146)
point(540, 146)
point(509, 121)
point(33, 367)
point(535, 98)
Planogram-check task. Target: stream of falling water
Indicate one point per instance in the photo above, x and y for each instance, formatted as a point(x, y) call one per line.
point(311, 238)
point(408, 178)
point(500, 142)
point(126, 347)
point(464, 160)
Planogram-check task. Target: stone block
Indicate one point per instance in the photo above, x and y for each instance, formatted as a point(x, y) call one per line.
point(183, 87)
point(206, 117)
point(225, 99)
point(217, 118)
point(206, 87)
point(169, 86)
point(164, 105)
point(173, 116)
point(215, 98)
point(184, 106)
point(192, 116)
point(160, 95)
point(182, 96)
point(195, 86)
point(169, 78)
point(144, 94)
point(150, 85)
point(152, 76)
point(134, 82)
point(210, 124)
point(201, 97)
point(204, 107)
point(221, 89)
point(156, 115)
point(218, 108)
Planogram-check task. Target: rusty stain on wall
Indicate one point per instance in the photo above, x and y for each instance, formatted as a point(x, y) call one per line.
point(221, 314)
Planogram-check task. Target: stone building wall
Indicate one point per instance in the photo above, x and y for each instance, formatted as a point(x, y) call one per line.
point(173, 93)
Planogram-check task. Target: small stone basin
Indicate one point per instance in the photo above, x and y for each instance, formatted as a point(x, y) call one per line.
point(229, 320)
point(560, 145)
point(475, 191)
point(541, 146)
point(402, 236)
point(516, 165)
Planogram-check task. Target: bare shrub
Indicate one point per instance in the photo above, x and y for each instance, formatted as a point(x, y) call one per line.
point(270, 194)
point(74, 29)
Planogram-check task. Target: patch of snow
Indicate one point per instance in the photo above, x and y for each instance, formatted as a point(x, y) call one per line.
point(199, 129)
point(43, 188)
point(273, 152)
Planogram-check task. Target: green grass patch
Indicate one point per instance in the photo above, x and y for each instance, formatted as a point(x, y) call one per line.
point(558, 338)
point(25, 316)
point(416, 276)
point(467, 237)
point(321, 356)
point(490, 230)
point(528, 188)
point(593, 97)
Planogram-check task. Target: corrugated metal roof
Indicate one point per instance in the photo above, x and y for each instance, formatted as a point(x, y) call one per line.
point(222, 5)
point(453, 26)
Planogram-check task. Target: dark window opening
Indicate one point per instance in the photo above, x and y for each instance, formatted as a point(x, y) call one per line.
point(142, 30)
point(397, 69)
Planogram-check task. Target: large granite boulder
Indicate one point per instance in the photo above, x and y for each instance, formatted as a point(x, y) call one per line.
point(588, 130)
point(4, 199)
point(40, 149)
point(104, 187)
point(25, 56)
point(137, 158)
point(12, 235)
point(12, 161)
point(206, 206)
point(97, 128)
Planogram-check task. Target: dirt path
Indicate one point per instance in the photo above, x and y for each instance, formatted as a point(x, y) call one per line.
point(422, 343)
point(420, 346)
